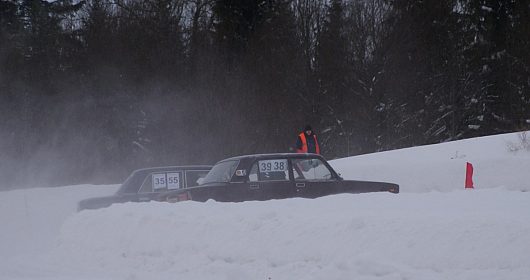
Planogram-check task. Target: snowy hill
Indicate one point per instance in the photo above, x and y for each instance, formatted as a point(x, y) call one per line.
point(433, 229)
point(442, 167)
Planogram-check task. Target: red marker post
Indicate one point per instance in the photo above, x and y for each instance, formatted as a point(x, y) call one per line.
point(469, 175)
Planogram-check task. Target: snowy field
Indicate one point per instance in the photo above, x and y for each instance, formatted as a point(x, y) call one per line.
point(433, 229)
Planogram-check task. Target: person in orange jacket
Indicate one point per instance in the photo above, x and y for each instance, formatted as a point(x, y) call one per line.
point(307, 142)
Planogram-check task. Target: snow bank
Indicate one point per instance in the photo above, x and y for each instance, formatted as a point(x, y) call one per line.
point(434, 229)
point(31, 218)
point(442, 167)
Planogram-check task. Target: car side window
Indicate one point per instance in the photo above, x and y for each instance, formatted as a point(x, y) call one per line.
point(270, 170)
point(311, 169)
point(253, 174)
point(161, 182)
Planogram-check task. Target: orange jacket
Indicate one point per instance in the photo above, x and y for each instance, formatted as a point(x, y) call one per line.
point(304, 144)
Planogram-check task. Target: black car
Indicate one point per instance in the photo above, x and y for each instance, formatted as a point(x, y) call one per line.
point(273, 176)
point(147, 184)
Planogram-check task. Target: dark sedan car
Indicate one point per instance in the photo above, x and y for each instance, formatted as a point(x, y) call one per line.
point(274, 176)
point(149, 183)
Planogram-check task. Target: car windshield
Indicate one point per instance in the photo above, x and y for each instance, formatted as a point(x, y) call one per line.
point(221, 172)
point(132, 183)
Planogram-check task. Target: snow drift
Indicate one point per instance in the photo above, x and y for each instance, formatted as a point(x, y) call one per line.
point(433, 229)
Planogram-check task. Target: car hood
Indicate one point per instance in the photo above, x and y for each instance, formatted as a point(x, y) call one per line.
point(98, 202)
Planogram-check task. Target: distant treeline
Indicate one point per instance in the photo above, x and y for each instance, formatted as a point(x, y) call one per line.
point(90, 90)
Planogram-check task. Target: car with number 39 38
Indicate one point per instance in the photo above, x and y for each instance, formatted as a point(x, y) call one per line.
point(273, 176)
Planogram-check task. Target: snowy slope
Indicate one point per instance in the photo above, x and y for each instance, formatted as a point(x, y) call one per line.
point(434, 229)
point(442, 167)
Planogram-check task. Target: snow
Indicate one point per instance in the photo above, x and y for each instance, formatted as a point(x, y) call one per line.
point(433, 229)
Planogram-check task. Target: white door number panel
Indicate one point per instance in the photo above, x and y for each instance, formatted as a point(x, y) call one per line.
point(173, 180)
point(272, 165)
point(170, 180)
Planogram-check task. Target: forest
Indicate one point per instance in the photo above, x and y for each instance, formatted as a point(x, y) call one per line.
point(91, 90)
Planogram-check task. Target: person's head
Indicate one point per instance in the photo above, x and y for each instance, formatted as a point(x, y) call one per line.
point(308, 130)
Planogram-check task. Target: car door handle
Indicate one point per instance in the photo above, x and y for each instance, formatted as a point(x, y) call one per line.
point(300, 185)
point(254, 186)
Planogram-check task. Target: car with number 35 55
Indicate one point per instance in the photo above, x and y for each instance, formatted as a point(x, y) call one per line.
point(149, 183)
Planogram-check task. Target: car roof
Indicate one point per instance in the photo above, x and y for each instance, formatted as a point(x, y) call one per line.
point(275, 155)
point(180, 167)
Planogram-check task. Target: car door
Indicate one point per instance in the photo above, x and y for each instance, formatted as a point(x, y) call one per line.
point(270, 179)
point(313, 178)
